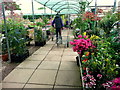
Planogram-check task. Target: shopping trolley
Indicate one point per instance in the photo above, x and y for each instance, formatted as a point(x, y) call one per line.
point(63, 40)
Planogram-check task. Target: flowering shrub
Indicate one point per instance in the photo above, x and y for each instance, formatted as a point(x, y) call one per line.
point(91, 16)
point(90, 81)
point(114, 84)
point(81, 44)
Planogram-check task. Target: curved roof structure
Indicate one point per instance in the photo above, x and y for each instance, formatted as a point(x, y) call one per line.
point(73, 6)
point(62, 6)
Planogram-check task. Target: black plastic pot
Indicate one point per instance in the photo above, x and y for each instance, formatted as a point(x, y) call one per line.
point(19, 58)
point(42, 43)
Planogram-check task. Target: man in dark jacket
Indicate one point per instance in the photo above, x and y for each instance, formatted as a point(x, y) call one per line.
point(58, 24)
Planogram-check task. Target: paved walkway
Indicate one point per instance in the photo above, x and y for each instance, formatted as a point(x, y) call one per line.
point(49, 67)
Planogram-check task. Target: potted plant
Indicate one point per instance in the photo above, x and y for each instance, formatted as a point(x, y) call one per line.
point(17, 42)
point(4, 54)
point(39, 39)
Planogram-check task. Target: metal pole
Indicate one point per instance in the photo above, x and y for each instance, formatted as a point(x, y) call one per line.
point(33, 10)
point(95, 16)
point(5, 27)
point(44, 10)
point(51, 12)
point(33, 18)
point(114, 8)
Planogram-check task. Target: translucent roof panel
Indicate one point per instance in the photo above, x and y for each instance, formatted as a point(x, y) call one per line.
point(59, 5)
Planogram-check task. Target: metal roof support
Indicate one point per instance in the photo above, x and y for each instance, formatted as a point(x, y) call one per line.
point(42, 4)
point(5, 27)
point(45, 7)
point(64, 5)
point(59, 2)
point(69, 8)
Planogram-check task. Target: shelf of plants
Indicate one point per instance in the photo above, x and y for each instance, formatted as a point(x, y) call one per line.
point(98, 50)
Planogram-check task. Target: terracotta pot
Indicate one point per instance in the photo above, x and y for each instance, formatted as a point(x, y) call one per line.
point(4, 57)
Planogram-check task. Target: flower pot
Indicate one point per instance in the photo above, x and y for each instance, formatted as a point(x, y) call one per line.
point(41, 43)
point(4, 57)
point(20, 57)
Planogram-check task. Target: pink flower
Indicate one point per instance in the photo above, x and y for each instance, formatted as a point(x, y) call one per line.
point(99, 75)
point(85, 36)
point(116, 80)
point(72, 43)
point(79, 36)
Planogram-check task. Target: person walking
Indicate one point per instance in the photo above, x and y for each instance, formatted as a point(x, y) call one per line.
point(58, 25)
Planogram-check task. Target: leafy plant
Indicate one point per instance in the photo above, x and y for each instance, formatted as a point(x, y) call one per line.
point(16, 36)
point(107, 21)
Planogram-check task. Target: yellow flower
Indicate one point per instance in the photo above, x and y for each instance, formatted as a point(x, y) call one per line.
point(84, 33)
point(94, 37)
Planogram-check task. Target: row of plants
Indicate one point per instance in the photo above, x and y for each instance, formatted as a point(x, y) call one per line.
point(18, 30)
point(17, 40)
point(97, 45)
point(100, 61)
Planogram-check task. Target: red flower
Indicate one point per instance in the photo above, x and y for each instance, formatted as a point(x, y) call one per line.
point(85, 60)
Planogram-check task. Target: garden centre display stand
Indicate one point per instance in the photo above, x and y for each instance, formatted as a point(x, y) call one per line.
point(80, 67)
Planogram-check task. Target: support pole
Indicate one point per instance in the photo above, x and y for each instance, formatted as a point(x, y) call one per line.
point(33, 11)
point(95, 13)
point(51, 12)
point(114, 8)
point(33, 18)
point(5, 27)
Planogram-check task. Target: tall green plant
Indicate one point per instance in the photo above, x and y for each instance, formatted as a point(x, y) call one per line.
point(107, 21)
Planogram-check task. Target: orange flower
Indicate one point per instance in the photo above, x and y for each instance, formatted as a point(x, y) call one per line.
point(87, 54)
point(85, 60)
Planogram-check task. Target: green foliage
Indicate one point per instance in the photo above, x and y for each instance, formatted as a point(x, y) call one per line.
point(16, 36)
point(38, 35)
point(107, 21)
point(81, 24)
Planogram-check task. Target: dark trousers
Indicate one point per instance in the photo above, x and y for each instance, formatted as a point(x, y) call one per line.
point(58, 31)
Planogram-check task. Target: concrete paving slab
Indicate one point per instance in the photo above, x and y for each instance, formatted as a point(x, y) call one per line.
point(55, 48)
point(50, 42)
point(59, 53)
point(19, 75)
point(70, 53)
point(36, 57)
point(68, 58)
point(49, 45)
point(49, 65)
point(39, 52)
point(69, 66)
point(45, 48)
point(29, 64)
point(12, 85)
point(43, 77)
point(38, 86)
point(53, 57)
point(68, 49)
point(68, 78)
